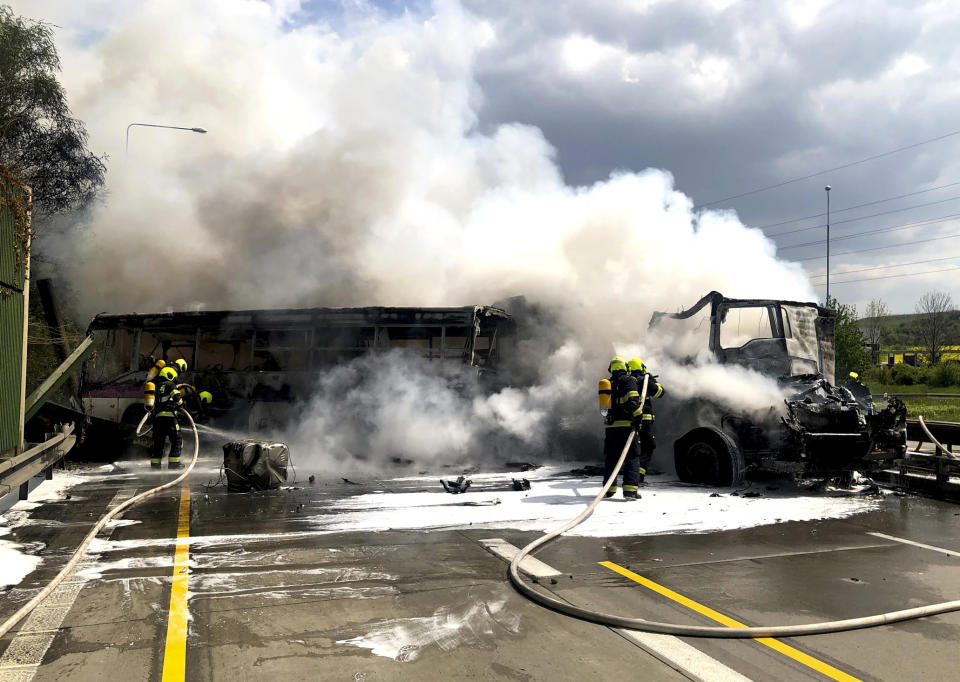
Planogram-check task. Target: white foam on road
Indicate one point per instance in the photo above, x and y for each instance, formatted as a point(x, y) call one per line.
point(404, 639)
point(15, 563)
point(666, 507)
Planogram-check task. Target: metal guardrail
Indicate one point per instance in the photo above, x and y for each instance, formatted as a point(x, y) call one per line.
point(947, 433)
point(17, 471)
point(928, 474)
point(877, 396)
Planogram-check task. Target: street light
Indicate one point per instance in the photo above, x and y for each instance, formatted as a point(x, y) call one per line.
point(828, 188)
point(126, 147)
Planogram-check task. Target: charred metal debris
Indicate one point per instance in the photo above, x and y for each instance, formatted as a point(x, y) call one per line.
point(826, 431)
point(462, 484)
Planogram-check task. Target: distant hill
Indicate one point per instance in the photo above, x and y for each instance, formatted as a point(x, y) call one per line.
point(900, 330)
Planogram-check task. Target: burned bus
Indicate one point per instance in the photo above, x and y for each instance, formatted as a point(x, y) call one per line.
point(257, 363)
point(821, 430)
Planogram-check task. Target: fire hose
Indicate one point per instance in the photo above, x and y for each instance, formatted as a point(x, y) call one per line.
point(79, 552)
point(933, 440)
point(644, 625)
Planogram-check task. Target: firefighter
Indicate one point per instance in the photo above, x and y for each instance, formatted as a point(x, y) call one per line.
point(860, 392)
point(644, 424)
point(195, 401)
point(181, 366)
point(167, 400)
point(624, 410)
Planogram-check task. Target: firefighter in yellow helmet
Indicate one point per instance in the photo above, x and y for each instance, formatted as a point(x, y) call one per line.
point(860, 392)
point(167, 400)
point(644, 423)
point(195, 402)
point(624, 407)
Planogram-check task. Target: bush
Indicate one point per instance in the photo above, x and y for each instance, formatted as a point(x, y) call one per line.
point(875, 375)
point(946, 373)
point(905, 375)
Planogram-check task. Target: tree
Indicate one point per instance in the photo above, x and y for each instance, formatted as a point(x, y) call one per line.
point(848, 340)
point(39, 140)
point(875, 322)
point(933, 319)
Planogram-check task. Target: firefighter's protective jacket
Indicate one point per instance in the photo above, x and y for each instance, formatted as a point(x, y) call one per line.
point(654, 390)
point(625, 401)
point(168, 399)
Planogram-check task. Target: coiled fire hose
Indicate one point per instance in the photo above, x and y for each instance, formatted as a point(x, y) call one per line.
point(79, 552)
point(643, 625)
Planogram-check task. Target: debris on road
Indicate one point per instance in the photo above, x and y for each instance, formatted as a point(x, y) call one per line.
point(252, 464)
point(588, 470)
point(523, 466)
point(461, 485)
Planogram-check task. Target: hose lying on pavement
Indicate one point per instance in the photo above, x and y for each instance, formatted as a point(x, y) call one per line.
point(694, 630)
point(78, 553)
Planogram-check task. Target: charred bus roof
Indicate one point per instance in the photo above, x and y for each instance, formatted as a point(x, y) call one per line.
point(271, 319)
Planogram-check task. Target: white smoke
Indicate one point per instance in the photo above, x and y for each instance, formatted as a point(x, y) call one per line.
point(345, 166)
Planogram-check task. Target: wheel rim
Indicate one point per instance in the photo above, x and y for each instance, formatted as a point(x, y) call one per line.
point(703, 462)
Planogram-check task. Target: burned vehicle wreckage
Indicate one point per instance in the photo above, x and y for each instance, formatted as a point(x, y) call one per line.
point(259, 365)
point(824, 431)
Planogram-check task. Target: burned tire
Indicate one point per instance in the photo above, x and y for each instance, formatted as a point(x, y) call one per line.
point(708, 457)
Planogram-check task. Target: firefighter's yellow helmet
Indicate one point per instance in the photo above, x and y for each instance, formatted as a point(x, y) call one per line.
point(206, 397)
point(169, 373)
point(636, 365)
point(617, 363)
point(854, 375)
point(181, 365)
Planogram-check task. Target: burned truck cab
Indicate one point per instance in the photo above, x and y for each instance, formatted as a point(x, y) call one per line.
point(820, 429)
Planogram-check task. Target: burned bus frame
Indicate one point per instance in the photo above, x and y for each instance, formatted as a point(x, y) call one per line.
point(826, 431)
point(255, 360)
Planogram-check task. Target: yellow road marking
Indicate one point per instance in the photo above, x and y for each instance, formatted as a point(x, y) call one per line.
point(775, 644)
point(175, 651)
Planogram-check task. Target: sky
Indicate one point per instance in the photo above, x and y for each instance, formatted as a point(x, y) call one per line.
point(724, 96)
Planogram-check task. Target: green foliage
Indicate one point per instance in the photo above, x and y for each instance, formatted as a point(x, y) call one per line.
point(905, 375)
point(39, 140)
point(945, 373)
point(900, 331)
point(934, 409)
point(848, 341)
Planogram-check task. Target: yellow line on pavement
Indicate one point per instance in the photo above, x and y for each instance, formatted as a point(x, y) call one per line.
point(175, 651)
point(775, 644)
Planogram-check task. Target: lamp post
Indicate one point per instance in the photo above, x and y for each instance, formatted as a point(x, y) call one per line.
point(126, 146)
point(828, 188)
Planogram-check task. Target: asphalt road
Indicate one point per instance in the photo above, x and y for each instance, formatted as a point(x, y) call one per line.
point(253, 590)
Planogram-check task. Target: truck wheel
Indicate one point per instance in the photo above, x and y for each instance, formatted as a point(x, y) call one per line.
point(708, 457)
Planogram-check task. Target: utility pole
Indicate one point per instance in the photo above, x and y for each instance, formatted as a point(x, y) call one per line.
point(828, 188)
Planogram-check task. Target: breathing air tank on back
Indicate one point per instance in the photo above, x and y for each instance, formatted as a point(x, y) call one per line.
point(604, 391)
point(155, 370)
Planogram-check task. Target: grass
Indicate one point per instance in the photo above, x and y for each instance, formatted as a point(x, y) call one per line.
point(933, 409)
point(916, 388)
